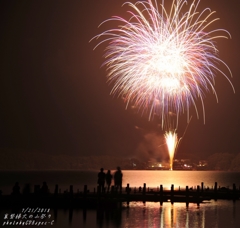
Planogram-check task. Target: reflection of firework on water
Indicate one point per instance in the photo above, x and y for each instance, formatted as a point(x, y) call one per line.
point(162, 61)
point(172, 143)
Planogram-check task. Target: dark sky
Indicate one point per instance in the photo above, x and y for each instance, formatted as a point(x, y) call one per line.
point(54, 96)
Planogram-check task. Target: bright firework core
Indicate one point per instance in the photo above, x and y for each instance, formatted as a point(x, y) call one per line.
point(172, 142)
point(163, 61)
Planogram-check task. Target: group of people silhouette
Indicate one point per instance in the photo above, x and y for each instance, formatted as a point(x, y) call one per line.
point(107, 178)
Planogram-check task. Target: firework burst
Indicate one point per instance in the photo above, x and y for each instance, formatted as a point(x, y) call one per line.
point(163, 61)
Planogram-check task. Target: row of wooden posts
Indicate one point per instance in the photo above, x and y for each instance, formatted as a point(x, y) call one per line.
point(114, 197)
point(141, 189)
point(127, 194)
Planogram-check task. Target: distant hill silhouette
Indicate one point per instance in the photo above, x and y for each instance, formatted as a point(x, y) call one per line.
point(17, 159)
point(14, 159)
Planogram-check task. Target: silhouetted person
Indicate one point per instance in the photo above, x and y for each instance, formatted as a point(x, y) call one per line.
point(44, 188)
point(118, 179)
point(108, 179)
point(16, 189)
point(101, 180)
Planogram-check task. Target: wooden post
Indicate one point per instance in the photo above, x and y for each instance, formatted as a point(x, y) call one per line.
point(128, 191)
point(144, 188)
point(85, 190)
point(135, 190)
point(71, 191)
point(198, 195)
point(172, 194)
point(56, 190)
point(187, 196)
point(144, 192)
point(234, 195)
point(202, 186)
point(84, 201)
point(161, 195)
point(215, 191)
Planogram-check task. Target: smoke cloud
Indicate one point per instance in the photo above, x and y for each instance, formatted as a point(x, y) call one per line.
point(152, 148)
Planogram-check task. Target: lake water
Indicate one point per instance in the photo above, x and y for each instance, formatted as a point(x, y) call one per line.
point(212, 214)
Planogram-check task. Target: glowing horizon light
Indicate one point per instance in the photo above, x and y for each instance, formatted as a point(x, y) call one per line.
point(163, 61)
point(172, 143)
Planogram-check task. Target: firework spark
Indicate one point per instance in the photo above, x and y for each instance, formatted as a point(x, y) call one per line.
point(172, 142)
point(163, 61)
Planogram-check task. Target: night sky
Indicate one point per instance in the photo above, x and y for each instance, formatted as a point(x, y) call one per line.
point(53, 92)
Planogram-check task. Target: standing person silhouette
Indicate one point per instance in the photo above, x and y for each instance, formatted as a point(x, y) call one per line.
point(108, 179)
point(118, 178)
point(101, 180)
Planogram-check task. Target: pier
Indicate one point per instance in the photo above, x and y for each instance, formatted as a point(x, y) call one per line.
point(114, 197)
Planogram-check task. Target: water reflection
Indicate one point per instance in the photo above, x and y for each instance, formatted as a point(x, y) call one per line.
point(218, 214)
point(213, 214)
point(108, 217)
